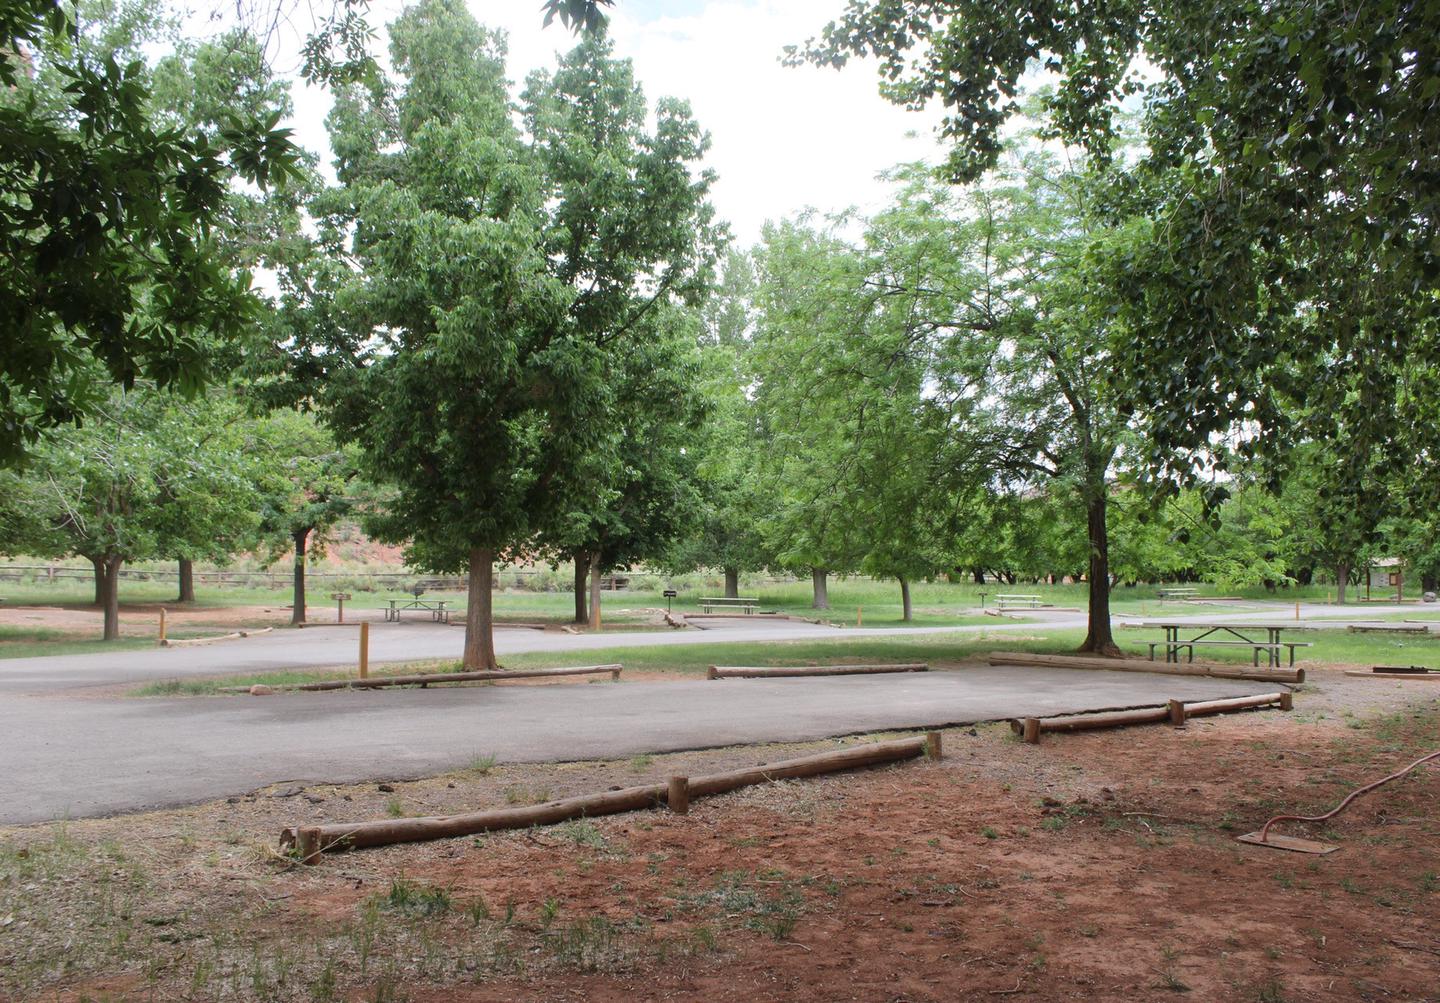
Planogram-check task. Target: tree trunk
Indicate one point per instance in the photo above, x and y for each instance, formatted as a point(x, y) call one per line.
point(905, 598)
point(595, 590)
point(979, 574)
point(110, 596)
point(732, 583)
point(1342, 578)
point(187, 580)
point(99, 565)
point(822, 594)
point(297, 604)
point(582, 576)
point(1098, 639)
point(479, 619)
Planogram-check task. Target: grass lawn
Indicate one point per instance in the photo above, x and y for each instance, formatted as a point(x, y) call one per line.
point(1329, 647)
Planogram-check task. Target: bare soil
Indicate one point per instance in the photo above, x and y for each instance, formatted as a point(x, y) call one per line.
point(1097, 866)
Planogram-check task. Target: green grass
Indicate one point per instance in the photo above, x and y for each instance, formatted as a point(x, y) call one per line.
point(31, 642)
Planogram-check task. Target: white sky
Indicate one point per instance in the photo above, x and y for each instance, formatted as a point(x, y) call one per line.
point(783, 139)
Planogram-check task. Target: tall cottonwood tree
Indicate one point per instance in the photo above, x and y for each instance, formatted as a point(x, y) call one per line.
point(1291, 150)
point(856, 445)
point(997, 287)
point(471, 358)
point(630, 230)
point(459, 375)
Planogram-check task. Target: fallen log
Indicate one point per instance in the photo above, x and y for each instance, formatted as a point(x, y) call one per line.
point(1174, 711)
point(766, 671)
point(1211, 669)
point(426, 678)
point(312, 840)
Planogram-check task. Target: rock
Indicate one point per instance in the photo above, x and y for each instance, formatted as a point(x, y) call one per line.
point(232, 800)
point(260, 690)
point(314, 799)
point(451, 786)
point(385, 788)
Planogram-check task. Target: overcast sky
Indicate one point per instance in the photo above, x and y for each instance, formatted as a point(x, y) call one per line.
point(783, 139)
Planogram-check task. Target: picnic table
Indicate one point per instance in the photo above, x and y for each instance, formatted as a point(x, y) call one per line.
point(1178, 592)
point(437, 608)
point(728, 602)
point(1028, 601)
point(1237, 634)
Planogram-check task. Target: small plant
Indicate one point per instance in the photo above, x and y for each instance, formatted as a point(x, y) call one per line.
point(1270, 992)
point(549, 909)
point(989, 832)
point(1169, 980)
point(482, 765)
point(582, 832)
point(415, 900)
point(395, 808)
point(478, 911)
point(641, 763)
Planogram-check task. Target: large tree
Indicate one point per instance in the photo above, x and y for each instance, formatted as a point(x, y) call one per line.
point(630, 230)
point(1289, 173)
point(472, 357)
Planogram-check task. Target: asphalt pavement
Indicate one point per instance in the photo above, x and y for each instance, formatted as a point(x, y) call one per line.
point(72, 751)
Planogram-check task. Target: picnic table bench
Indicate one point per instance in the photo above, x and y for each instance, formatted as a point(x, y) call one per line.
point(437, 608)
point(1178, 592)
point(709, 604)
point(1226, 635)
point(1028, 601)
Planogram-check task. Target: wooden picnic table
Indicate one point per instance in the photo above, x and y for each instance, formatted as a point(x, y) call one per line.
point(709, 603)
point(1226, 633)
point(437, 608)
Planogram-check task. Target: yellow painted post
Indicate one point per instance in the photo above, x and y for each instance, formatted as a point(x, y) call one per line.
point(162, 623)
point(1297, 611)
point(364, 649)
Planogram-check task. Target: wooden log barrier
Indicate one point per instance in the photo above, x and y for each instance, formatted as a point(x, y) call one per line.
point(677, 795)
point(425, 679)
point(1145, 665)
point(768, 671)
point(310, 841)
point(1174, 711)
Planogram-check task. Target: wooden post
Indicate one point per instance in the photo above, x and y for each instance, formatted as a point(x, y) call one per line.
point(364, 649)
point(614, 675)
point(162, 623)
point(859, 615)
point(1287, 700)
point(710, 672)
point(1297, 611)
point(932, 745)
point(307, 844)
point(677, 795)
point(1177, 712)
point(1032, 731)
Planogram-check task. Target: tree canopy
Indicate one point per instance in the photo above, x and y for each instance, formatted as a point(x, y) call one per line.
point(107, 270)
